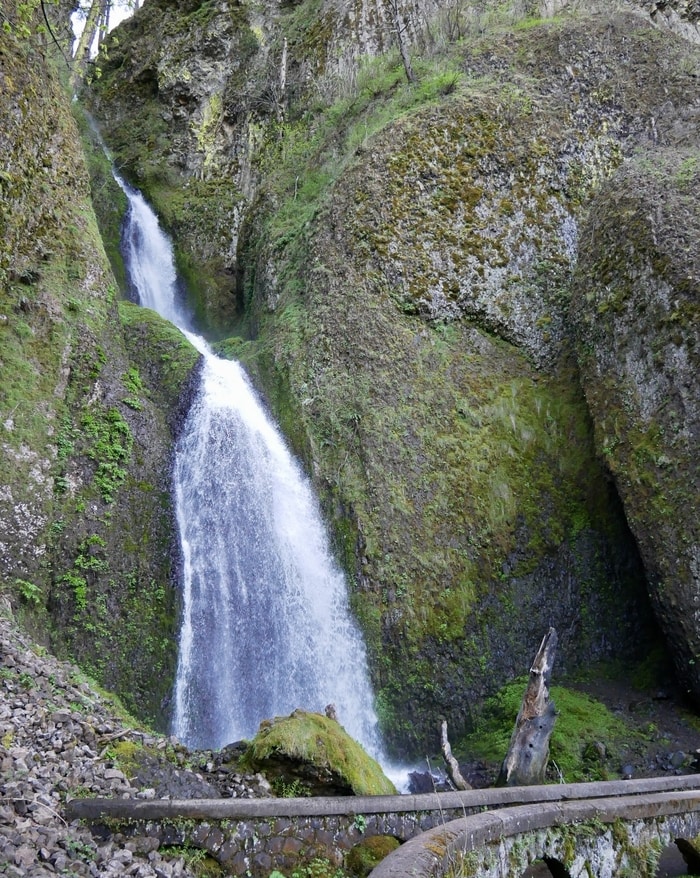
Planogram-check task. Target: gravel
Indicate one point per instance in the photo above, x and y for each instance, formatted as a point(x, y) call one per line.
point(57, 741)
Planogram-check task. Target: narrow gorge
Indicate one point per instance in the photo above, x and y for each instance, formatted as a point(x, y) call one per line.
point(469, 301)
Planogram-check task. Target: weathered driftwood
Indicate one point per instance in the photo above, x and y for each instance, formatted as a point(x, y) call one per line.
point(526, 760)
point(451, 764)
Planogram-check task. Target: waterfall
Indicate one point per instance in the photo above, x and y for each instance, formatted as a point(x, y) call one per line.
point(266, 625)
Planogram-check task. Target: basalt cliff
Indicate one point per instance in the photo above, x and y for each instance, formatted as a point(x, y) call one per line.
point(470, 300)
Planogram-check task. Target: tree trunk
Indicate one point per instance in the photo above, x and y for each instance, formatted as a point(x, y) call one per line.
point(81, 56)
point(400, 30)
point(526, 760)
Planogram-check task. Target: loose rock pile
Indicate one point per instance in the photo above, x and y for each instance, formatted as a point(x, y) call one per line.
point(58, 738)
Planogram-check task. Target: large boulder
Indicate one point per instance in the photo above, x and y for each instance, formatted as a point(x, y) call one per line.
point(637, 311)
point(311, 754)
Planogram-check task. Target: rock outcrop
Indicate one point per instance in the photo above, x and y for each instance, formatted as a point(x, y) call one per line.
point(400, 262)
point(637, 312)
point(86, 432)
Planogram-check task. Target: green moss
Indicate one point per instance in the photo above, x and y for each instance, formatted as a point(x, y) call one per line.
point(582, 723)
point(312, 738)
point(161, 351)
point(363, 857)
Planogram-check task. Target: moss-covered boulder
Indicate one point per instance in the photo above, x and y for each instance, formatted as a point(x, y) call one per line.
point(311, 754)
point(637, 312)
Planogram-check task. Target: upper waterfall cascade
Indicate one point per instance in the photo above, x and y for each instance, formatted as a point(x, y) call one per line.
point(266, 626)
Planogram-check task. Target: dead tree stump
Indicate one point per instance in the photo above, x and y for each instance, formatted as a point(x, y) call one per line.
point(526, 761)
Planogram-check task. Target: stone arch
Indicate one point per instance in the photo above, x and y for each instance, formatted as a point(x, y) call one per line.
point(679, 857)
point(546, 867)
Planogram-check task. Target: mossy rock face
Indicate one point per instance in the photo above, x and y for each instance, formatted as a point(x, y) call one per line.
point(403, 259)
point(363, 857)
point(637, 312)
point(414, 338)
point(307, 753)
point(88, 555)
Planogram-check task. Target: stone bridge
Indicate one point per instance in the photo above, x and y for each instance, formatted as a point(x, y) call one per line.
point(580, 830)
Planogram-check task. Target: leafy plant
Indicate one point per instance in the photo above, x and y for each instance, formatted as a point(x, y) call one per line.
point(133, 384)
point(111, 448)
point(29, 592)
point(79, 586)
point(360, 822)
point(295, 789)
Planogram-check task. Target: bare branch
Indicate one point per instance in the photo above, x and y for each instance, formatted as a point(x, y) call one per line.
point(453, 772)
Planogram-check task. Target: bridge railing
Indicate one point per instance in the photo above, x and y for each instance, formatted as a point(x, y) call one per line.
point(246, 809)
point(504, 842)
point(256, 836)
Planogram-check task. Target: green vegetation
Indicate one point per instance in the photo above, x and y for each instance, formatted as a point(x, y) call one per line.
point(322, 743)
point(587, 741)
point(29, 592)
point(111, 448)
point(363, 857)
point(296, 789)
point(319, 867)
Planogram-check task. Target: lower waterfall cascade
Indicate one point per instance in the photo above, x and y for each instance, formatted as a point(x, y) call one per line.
point(266, 626)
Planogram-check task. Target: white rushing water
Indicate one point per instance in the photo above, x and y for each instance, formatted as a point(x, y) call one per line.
point(266, 626)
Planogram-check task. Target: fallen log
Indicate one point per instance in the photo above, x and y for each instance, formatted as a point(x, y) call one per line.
point(528, 752)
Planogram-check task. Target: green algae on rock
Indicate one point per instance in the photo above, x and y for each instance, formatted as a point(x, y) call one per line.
point(313, 753)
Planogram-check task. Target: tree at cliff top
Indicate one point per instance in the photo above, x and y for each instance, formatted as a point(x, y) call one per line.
point(95, 20)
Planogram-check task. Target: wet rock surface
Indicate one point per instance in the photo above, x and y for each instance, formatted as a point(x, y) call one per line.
point(60, 739)
point(413, 328)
